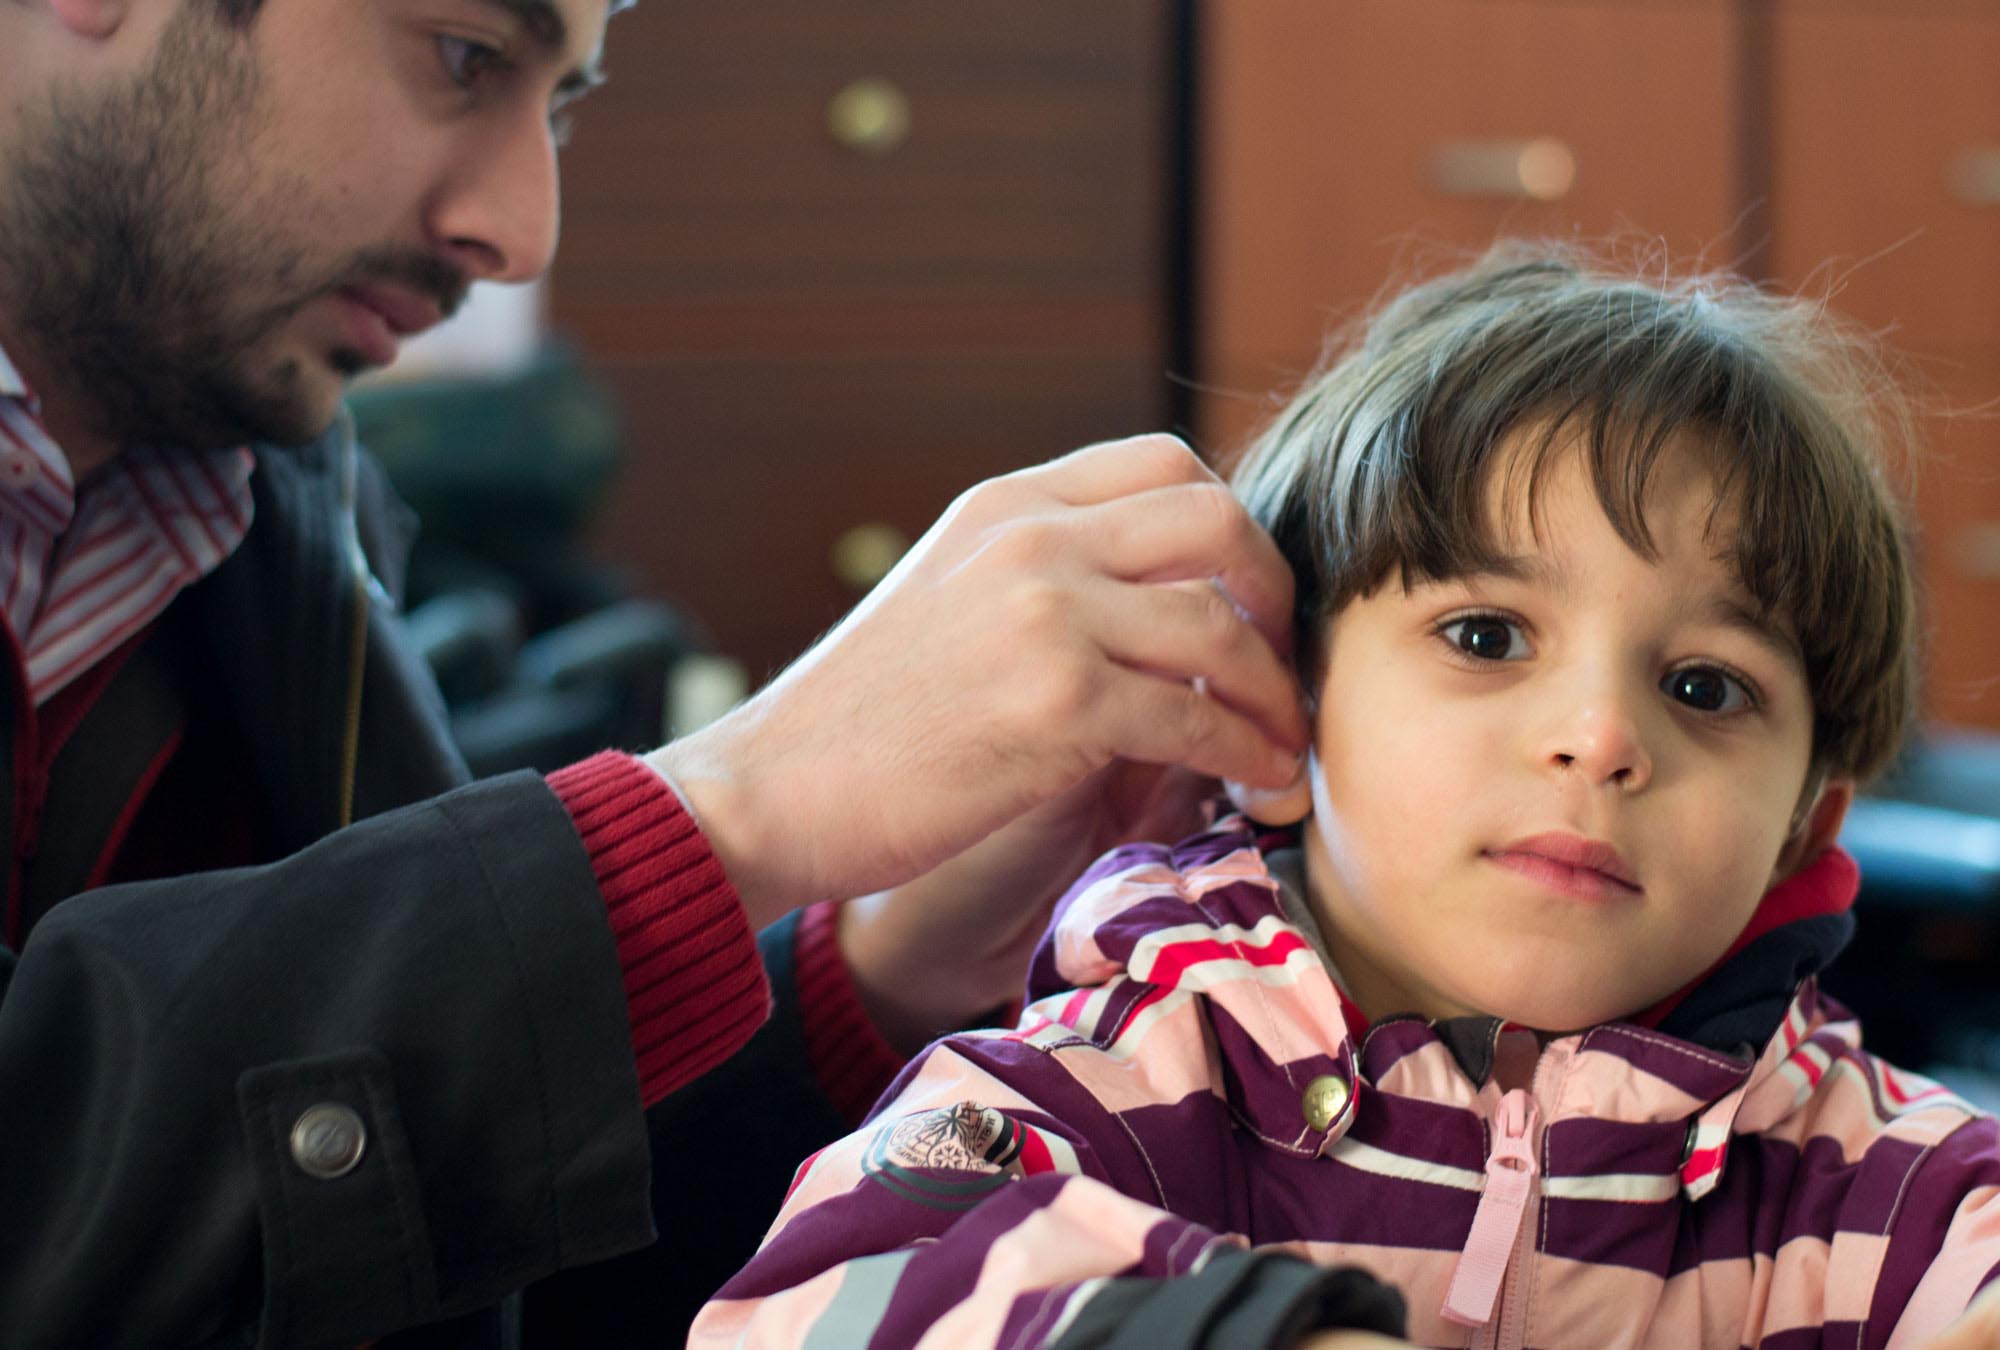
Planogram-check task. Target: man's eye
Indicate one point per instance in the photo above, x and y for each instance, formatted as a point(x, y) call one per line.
point(1487, 637)
point(466, 61)
point(1706, 689)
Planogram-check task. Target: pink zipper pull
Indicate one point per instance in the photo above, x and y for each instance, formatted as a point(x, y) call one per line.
point(1510, 1179)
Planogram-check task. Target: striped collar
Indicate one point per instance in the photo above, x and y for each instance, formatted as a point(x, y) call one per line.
point(11, 383)
point(84, 567)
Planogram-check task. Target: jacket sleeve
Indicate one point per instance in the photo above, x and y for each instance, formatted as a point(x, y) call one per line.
point(723, 1148)
point(381, 1082)
point(994, 1201)
point(1943, 1243)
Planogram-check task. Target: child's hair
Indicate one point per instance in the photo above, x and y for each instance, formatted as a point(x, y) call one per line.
point(1379, 465)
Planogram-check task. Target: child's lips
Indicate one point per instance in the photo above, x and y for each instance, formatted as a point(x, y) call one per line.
point(1587, 869)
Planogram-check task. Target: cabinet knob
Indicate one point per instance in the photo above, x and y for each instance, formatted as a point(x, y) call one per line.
point(865, 554)
point(1538, 170)
point(870, 117)
point(1974, 175)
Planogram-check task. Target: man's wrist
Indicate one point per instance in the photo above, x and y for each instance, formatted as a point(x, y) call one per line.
point(675, 920)
point(850, 1056)
point(731, 814)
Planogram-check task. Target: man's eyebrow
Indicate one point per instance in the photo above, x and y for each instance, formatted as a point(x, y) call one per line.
point(548, 29)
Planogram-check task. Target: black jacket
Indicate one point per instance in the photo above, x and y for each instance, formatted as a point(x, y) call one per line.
point(443, 968)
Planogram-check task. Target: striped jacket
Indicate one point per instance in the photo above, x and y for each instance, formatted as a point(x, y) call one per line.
point(1188, 1079)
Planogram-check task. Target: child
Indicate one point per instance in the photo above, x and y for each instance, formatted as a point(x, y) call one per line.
point(1605, 611)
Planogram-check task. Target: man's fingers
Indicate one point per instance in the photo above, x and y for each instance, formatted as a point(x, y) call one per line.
point(1159, 720)
point(1113, 469)
point(1192, 633)
point(1194, 530)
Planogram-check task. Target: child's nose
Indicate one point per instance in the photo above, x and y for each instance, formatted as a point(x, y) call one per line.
point(1599, 738)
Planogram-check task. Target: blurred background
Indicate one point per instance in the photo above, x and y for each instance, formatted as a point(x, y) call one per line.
point(826, 266)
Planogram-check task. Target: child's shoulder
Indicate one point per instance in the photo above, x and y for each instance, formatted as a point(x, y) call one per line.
point(1819, 1090)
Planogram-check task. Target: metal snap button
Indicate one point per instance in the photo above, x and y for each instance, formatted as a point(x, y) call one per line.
point(1687, 1145)
point(1325, 1098)
point(328, 1140)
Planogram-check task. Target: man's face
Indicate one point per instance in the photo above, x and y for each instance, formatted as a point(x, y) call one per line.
point(1556, 794)
point(203, 250)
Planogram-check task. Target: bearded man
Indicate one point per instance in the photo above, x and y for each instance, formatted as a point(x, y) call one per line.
point(306, 1040)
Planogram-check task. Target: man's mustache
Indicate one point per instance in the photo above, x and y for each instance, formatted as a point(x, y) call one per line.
point(424, 273)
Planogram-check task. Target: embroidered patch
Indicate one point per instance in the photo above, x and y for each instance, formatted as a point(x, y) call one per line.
point(908, 1156)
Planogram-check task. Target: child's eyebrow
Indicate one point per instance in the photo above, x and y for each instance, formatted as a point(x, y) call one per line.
point(1746, 619)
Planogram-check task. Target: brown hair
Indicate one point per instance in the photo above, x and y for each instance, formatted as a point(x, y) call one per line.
point(1378, 465)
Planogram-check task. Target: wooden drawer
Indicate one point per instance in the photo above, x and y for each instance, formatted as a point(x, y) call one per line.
point(1341, 140)
point(1886, 147)
point(724, 212)
point(760, 467)
point(808, 337)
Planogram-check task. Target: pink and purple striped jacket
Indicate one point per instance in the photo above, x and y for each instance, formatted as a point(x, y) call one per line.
point(1189, 1079)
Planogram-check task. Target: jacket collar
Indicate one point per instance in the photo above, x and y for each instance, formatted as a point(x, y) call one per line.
point(1206, 918)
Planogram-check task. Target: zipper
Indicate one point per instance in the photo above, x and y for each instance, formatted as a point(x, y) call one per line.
point(1494, 1256)
point(365, 589)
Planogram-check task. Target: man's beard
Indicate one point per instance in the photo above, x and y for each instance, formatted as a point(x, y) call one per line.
point(145, 280)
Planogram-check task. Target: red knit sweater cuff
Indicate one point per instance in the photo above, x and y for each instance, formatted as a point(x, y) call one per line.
point(695, 988)
point(848, 1055)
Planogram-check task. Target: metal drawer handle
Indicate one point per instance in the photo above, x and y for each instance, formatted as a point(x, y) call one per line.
point(869, 117)
point(1539, 170)
point(1974, 175)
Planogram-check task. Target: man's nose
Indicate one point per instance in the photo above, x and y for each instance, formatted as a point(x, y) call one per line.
point(495, 215)
point(1596, 731)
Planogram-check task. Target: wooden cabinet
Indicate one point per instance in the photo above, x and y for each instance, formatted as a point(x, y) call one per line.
point(1346, 142)
point(1846, 147)
point(842, 262)
point(1890, 203)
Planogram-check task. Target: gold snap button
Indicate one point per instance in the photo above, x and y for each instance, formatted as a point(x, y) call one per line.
point(1326, 1097)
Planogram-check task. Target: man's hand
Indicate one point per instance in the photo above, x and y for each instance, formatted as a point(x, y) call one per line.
point(1031, 639)
point(933, 954)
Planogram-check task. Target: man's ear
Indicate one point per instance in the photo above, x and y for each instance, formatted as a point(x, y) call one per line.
point(1818, 828)
point(93, 18)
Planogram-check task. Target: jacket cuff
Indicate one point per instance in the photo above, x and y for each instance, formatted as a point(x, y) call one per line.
point(695, 988)
point(848, 1055)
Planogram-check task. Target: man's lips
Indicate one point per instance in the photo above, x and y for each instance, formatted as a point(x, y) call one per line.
point(379, 317)
point(404, 313)
point(1585, 868)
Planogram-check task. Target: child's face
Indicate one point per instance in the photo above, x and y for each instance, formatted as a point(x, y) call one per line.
point(1480, 737)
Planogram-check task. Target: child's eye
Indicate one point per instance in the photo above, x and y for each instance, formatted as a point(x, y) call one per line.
point(1486, 637)
point(465, 61)
point(1706, 689)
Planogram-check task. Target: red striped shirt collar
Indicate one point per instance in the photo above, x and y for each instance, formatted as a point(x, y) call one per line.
point(81, 572)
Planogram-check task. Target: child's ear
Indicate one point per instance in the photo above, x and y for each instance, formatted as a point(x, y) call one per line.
point(1273, 806)
point(1818, 829)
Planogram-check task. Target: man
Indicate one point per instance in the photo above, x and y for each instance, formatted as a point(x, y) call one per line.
point(302, 1039)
